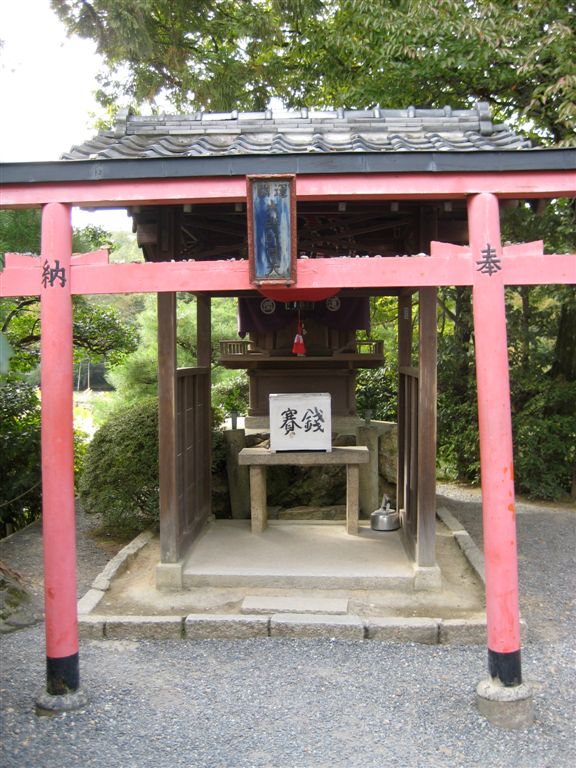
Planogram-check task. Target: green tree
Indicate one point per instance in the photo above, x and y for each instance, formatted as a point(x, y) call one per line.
point(136, 376)
point(225, 54)
point(216, 54)
point(99, 331)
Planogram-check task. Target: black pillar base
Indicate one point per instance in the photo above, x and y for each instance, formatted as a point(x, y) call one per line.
point(62, 692)
point(62, 675)
point(505, 667)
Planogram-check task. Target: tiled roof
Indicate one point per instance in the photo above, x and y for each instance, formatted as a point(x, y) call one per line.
point(203, 134)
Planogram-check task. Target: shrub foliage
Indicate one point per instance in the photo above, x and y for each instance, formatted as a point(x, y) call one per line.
point(120, 478)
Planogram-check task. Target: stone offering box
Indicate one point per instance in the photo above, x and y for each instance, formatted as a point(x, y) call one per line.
point(301, 422)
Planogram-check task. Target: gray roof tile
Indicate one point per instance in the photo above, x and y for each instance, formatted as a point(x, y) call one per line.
point(302, 131)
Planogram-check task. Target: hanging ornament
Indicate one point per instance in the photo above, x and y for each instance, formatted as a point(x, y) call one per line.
point(298, 348)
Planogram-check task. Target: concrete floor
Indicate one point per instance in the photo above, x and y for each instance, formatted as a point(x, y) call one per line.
point(297, 555)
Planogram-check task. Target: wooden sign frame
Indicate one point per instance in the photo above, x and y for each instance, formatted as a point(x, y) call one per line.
point(272, 231)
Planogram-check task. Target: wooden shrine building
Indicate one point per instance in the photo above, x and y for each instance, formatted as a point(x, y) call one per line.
point(302, 216)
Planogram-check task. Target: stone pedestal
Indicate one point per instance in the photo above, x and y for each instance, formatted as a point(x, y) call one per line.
point(509, 707)
point(238, 479)
point(260, 458)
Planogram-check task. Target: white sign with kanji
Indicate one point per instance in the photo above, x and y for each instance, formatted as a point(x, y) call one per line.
point(301, 422)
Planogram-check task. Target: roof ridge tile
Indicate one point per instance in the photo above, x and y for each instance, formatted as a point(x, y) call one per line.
point(298, 131)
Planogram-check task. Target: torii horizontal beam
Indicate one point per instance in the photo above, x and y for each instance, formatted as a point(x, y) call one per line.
point(523, 264)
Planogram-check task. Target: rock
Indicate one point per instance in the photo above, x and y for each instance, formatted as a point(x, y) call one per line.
point(388, 448)
point(16, 609)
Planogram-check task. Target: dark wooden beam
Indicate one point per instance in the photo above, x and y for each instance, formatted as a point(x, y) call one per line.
point(404, 361)
point(202, 429)
point(426, 530)
point(169, 515)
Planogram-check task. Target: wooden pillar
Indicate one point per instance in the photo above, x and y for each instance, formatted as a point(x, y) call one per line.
point(426, 525)
point(204, 429)
point(494, 417)
point(404, 361)
point(58, 513)
point(169, 511)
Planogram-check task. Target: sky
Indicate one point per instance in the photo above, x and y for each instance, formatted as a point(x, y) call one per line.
point(47, 82)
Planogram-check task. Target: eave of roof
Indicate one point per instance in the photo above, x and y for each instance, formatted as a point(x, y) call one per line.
point(484, 161)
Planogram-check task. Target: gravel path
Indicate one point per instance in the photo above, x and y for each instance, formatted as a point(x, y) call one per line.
point(546, 559)
point(309, 704)
point(23, 552)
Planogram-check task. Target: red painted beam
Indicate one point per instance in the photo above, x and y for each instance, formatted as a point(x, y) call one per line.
point(157, 277)
point(114, 194)
point(549, 269)
point(522, 264)
point(20, 281)
point(449, 265)
point(22, 273)
point(233, 275)
point(368, 186)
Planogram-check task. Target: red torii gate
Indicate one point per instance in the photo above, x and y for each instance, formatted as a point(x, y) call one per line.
point(485, 265)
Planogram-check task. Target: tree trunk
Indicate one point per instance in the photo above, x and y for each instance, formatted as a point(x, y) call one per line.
point(525, 296)
point(565, 350)
point(462, 336)
point(462, 372)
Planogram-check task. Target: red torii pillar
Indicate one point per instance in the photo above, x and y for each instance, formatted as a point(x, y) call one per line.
point(503, 698)
point(58, 513)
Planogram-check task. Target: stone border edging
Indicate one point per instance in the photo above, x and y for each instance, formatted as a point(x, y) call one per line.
point(114, 567)
point(198, 626)
point(470, 550)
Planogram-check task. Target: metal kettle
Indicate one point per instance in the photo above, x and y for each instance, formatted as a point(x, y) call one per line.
point(385, 518)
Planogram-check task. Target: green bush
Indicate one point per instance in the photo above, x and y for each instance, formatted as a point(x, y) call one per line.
point(20, 478)
point(20, 487)
point(120, 478)
point(458, 445)
point(545, 442)
point(81, 443)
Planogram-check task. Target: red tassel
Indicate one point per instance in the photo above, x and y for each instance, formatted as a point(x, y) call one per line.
point(298, 347)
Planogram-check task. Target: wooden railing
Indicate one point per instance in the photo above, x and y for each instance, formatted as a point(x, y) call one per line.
point(362, 347)
point(193, 449)
point(229, 348)
point(232, 347)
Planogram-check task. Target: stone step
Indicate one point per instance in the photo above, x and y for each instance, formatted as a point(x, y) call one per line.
point(301, 605)
point(306, 625)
